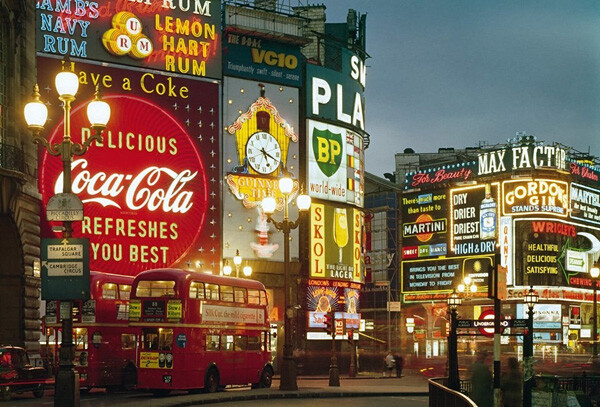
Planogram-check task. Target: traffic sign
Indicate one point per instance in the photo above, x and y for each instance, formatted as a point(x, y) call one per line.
point(65, 269)
point(64, 207)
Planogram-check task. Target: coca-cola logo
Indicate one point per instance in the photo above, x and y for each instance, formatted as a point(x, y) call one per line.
point(144, 189)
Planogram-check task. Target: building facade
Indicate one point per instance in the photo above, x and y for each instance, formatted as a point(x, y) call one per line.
point(526, 209)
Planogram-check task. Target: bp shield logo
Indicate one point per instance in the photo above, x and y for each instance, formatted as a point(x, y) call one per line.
point(327, 148)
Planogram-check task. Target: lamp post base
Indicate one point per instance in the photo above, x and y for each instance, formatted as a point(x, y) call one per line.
point(288, 374)
point(66, 391)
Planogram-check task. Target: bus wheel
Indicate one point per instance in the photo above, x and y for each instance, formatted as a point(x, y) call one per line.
point(38, 392)
point(211, 383)
point(266, 379)
point(5, 393)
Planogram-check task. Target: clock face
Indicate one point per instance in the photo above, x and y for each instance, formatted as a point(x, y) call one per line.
point(263, 152)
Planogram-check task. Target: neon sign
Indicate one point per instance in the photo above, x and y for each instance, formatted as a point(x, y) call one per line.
point(148, 196)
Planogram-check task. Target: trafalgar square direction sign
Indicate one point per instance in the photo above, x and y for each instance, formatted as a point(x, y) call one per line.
point(65, 269)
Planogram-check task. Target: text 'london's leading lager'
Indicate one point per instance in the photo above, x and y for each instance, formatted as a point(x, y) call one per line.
point(487, 215)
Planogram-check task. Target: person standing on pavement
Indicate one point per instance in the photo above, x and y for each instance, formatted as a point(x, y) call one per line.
point(399, 360)
point(512, 385)
point(389, 364)
point(481, 381)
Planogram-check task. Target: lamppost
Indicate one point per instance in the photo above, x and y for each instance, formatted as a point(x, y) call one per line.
point(454, 302)
point(237, 261)
point(531, 298)
point(288, 366)
point(36, 114)
point(594, 273)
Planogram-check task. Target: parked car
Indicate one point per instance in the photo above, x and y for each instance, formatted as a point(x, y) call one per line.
point(17, 375)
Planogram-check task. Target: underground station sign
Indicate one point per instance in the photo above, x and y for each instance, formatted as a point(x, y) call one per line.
point(485, 324)
point(65, 269)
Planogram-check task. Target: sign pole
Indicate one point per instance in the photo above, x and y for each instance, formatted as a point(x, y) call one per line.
point(334, 372)
point(497, 333)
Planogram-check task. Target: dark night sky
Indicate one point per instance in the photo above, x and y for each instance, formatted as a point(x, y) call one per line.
point(455, 73)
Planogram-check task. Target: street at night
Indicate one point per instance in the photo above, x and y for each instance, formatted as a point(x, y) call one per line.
point(302, 203)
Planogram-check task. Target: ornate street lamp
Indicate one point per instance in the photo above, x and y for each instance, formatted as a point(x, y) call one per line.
point(288, 365)
point(530, 299)
point(36, 114)
point(454, 301)
point(237, 262)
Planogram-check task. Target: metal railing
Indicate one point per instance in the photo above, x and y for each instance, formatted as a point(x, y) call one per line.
point(440, 395)
point(11, 158)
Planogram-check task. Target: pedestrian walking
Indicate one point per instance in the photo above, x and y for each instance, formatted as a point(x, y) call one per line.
point(390, 363)
point(512, 385)
point(399, 360)
point(481, 381)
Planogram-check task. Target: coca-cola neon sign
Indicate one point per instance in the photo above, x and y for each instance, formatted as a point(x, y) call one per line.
point(148, 196)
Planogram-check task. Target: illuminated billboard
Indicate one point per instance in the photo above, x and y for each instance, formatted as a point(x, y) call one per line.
point(553, 252)
point(474, 219)
point(337, 96)
point(335, 164)
point(260, 145)
point(443, 275)
point(521, 157)
point(535, 196)
point(150, 190)
point(585, 203)
point(424, 225)
point(336, 243)
point(171, 36)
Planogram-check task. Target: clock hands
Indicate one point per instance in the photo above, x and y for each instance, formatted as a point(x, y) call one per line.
point(267, 154)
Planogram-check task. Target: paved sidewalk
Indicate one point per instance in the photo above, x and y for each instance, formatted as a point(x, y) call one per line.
point(365, 385)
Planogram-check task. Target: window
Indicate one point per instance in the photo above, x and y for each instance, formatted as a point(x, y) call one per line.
point(124, 291)
point(127, 341)
point(147, 288)
point(265, 341)
point(254, 343)
point(80, 338)
point(226, 293)
point(241, 342)
point(226, 342)
point(240, 294)
point(109, 291)
point(263, 298)
point(197, 290)
point(212, 342)
point(157, 339)
point(253, 297)
point(212, 291)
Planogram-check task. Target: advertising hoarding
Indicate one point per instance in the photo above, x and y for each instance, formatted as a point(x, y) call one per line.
point(336, 243)
point(335, 164)
point(535, 196)
point(474, 219)
point(261, 59)
point(438, 177)
point(442, 275)
point(171, 36)
point(585, 203)
point(150, 189)
point(424, 225)
point(337, 96)
point(260, 144)
point(521, 157)
point(551, 252)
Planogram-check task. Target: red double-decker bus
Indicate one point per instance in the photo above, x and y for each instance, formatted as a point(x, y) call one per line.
point(105, 344)
point(200, 331)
